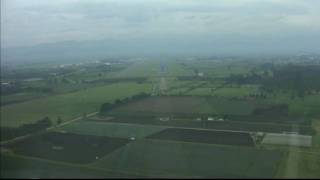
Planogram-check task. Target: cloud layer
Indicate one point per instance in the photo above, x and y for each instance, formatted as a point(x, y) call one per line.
point(236, 22)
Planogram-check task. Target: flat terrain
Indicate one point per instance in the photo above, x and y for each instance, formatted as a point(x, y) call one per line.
point(174, 159)
point(68, 147)
point(109, 129)
point(24, 167)
point(204, 136)
point(69, 105)
point(187, 105)
point(200, 120)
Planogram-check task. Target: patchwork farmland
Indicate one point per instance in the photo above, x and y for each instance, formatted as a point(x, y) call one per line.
point(176, 119)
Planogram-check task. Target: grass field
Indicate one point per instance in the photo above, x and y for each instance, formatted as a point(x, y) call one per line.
point(68, 105)
point(174, 159)
point(230, 92)
point(309, 106)
point(236, 92)
point(117, 130)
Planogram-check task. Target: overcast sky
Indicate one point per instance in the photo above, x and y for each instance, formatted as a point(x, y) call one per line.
point(33, 22)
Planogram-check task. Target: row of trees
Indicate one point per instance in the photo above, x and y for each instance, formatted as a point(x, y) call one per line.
point(109, 106)
point(42, 124)
point(295, 79)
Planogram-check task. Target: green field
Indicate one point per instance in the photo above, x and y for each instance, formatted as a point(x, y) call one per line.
point(174, 159)
point(309, 106)
point(109, 129)
point(68, 105)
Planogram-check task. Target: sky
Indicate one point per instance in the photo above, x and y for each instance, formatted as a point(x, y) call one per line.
point(287, 24)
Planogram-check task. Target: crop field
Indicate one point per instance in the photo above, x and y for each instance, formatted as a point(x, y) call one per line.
point(68, 147)
point(187, 105)
point(239, 125)
point(221, 69)
point(204, 136)
point(109, 129)
point(236, 92)
point(177, 159)
point(198, 118)
point(309, 105)
point(69, 105)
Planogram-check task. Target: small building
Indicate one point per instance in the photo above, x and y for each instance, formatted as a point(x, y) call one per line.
point(164, 118)
point(220, 119)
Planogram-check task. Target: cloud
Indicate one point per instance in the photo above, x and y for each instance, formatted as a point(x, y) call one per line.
point(31, 22)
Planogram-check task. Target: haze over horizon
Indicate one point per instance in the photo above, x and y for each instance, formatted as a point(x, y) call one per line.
point(78, 28)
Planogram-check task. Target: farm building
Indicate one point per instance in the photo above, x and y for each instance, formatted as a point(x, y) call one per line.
point(287, 139)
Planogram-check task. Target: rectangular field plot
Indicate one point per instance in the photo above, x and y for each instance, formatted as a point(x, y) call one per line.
point(68, 147)
point(241, 124)
point(204, 136)
point(186, 105)
point(174, 159)
point(109, 129)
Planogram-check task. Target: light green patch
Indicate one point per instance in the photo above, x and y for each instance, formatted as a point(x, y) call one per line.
point(68, 105)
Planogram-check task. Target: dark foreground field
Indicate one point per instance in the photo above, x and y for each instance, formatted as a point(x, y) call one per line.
point(171, 152)
point(68, 147)
point(181, 159)
point(16, 166)
point(205, 136)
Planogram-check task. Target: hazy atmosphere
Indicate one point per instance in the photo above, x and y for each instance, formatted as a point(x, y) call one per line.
point(146, 27)
point(160, 89)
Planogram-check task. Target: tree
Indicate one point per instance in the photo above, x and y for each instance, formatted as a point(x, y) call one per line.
point(59, 120)
point(105, 107)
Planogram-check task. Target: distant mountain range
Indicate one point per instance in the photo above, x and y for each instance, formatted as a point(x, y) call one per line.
point(84, 50)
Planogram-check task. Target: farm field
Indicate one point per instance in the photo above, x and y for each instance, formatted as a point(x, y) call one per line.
point(110, 129)
point(187, 105)
point(238, 125)
point(180, 127)
point(69, 105)
point(66, 146)
point(149, 68)
point(204, 136)
point(160, 89)
point(18, 166)
point(176, 159)
point(308, 106)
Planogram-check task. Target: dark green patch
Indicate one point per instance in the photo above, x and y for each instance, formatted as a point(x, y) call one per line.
point(68, 147)
point(205, 136)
